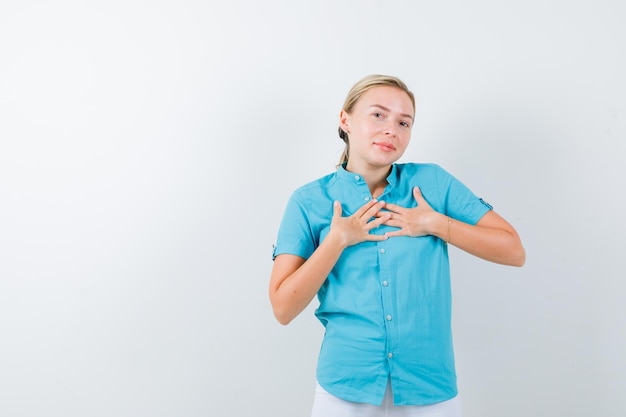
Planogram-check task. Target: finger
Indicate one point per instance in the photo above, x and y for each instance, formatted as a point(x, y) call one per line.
point(365, 207)
point(419, 197)
point(394, 207)
point(396, 233)
point(376, 238)
point(373, 210)
point(336, 209)
point(379, 219)
point(387, 214)
point(417, 194)
point(393, 223)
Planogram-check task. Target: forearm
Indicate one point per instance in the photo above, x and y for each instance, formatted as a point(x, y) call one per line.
point(492, 238)
point(291, 294)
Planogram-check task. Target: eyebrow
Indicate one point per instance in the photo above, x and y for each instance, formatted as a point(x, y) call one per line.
point(387, 110)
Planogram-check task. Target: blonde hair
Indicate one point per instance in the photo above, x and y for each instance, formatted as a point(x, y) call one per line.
point(355, 93)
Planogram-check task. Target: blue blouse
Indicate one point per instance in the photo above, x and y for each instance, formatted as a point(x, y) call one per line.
point(386, 306)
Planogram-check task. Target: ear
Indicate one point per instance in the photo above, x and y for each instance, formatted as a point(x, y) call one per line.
point(344, 121)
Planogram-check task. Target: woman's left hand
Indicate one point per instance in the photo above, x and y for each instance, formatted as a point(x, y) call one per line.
point(413, 222)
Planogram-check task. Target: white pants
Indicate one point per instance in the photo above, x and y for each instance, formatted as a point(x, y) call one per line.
point(327, 405)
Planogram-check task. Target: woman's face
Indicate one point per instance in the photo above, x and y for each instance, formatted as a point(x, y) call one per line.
point(379, 128)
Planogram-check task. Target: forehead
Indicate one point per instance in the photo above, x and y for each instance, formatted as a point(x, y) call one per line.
point(390, 97)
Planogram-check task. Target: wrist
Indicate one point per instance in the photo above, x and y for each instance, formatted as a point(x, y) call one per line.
point(335, 240)
point(442, 227)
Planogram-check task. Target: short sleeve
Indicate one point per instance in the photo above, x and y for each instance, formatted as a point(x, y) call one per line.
point(459, 201)
point(295, 234)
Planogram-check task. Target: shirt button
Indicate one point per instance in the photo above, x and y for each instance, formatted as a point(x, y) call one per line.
point(390, 355)
point(388, 317)
point(366, 198)
point(385, 283)
point(382, 250)
point(356, 177)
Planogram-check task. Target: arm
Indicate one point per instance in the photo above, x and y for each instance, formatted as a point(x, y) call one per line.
point(492, 238)
point(295, 281)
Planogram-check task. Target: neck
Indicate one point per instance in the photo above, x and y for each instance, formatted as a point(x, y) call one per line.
point(375, 177)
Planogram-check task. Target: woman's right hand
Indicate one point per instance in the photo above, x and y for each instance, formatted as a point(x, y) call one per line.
point(356, 228)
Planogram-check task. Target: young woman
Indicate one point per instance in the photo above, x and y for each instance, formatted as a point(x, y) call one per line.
point(370, 240)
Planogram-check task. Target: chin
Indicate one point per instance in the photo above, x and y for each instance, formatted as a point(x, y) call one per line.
point(388, 159)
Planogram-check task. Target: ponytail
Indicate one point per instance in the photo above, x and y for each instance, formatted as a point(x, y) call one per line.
point(344, 155)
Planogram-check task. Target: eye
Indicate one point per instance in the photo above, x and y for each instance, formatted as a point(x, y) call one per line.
point(405, 124)
point(378, 115)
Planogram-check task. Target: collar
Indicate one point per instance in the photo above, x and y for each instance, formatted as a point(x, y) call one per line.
point(353, 177)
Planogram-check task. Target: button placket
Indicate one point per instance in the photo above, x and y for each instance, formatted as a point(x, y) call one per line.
point(387, 298)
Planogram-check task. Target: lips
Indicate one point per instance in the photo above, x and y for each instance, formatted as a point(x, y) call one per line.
point(385, 146)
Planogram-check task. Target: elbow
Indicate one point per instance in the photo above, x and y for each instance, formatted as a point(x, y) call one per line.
point(282, 313)
point(512, 256)
point(282, 317)
point(519, 257)
point(516, 254)
point(283, 321)
point(520, 261)
point(522, 258)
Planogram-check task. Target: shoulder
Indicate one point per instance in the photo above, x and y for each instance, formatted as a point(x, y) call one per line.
point(319, 183)
point(314, 190)
point(422, 169)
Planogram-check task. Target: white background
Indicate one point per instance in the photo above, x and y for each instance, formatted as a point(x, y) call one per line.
point(148, 148)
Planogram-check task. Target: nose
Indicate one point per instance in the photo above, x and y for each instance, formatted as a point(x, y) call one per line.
point(390, 128)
